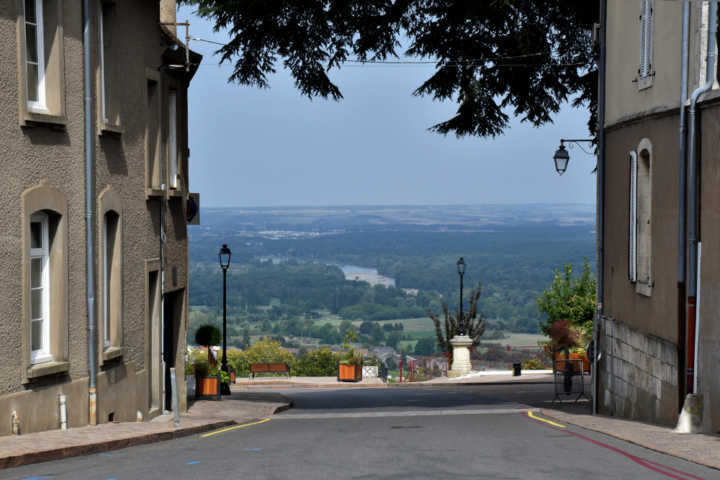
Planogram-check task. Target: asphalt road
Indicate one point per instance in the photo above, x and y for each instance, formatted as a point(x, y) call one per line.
point(398, 433)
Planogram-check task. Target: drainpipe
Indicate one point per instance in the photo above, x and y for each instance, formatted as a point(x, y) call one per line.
point(682, 200)
point(89, 219)
point(600, 201)
point(693, 213)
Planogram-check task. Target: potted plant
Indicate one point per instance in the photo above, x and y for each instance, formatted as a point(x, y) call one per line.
point(206, 374)
point(350, 366)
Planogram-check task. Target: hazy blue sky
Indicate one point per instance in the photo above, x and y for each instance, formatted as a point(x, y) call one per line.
point(253, 147)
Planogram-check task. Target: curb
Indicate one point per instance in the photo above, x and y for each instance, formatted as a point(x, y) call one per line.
point(465, 384)
point(548, 413)
point(60, 453)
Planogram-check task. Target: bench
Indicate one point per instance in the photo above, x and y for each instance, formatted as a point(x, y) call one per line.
point(269, 368)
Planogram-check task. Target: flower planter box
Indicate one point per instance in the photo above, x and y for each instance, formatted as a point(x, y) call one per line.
point(560, 361)
point(232, 377)
point(349, 373)
point(208, 387)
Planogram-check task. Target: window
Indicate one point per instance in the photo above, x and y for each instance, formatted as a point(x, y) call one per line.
point(640, 225)
point(153, 142)
point(35, 55)
point(41, 57)
point(102, 15)
point(110, 280)
point(110, 272)
point(109, 119)
point(172, 139)
point(645, 72)
point(45, 282)
point(632, 249)
point(39, 289)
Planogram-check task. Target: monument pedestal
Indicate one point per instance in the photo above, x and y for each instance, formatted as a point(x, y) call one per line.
point(461, 356)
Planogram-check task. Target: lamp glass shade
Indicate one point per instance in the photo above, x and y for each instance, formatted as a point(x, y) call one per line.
point(561, 158)
point(461, 266)
point(224, 256)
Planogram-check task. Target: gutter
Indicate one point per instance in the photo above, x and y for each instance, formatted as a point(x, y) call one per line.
point(89, 218)
point(682, 202)
point(600, 227)
point(694, 190)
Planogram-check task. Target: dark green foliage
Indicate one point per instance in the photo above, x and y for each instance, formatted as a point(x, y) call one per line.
point(318, 363)
point(208, 335)
point(426, 346)
point(526, 56)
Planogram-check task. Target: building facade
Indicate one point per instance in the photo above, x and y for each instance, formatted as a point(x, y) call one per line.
point(646, 337)
point(139, 180)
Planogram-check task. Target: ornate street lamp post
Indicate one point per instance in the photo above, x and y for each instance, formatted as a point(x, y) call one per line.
point(461, 342)
point(462, 327)
point(562, 157)
point(224, 259)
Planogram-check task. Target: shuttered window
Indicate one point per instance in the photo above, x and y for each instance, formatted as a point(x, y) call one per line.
point(632, 227)
point(646, 42)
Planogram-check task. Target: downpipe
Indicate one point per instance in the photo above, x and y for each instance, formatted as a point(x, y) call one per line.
point(89, 219)
point(693, 220)
point(690, 420)
point(682, 201)
point(600, 221)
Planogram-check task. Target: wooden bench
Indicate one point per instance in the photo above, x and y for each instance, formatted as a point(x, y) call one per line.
point(269, 368)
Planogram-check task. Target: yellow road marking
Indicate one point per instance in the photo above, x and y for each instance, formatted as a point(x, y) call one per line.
point(234, 427)
point(532, 415)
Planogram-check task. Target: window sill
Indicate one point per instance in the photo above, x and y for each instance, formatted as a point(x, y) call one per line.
point(176, 193)
point(645, 289)
point(45, 369)
point(644, 83)
point(152, 192)
point(110, 130)
point(39, 119)
point(111, 353)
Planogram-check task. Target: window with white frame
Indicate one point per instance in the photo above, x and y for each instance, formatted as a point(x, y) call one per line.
point(39, 288)
point(645, 71)
point(632, 227)
point(172, 139)
point(640, 216)
point(35, 55)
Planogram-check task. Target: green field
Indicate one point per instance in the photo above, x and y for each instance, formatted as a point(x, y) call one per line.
point(416, 328)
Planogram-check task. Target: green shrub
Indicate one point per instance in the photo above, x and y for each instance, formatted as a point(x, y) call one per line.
point(318, 363)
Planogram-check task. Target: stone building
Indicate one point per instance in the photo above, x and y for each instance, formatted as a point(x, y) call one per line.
point(647, 338)
point(137, 221)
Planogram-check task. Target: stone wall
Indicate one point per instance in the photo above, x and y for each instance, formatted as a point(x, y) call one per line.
point(638, 374)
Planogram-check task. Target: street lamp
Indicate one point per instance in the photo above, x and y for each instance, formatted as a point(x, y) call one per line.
point(562, 157)
point(461, 320)
point(224, 259)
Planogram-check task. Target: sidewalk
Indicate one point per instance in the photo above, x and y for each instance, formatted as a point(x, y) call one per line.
point(696, 448)
point(264, 383)
point(203, 415)
point(494, 377)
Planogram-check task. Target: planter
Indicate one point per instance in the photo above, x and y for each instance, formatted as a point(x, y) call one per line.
point(349, 373)
point(232, 377)
point(560, 361)
point(208, 387)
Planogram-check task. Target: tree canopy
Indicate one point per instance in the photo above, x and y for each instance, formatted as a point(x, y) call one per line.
point(490, 56)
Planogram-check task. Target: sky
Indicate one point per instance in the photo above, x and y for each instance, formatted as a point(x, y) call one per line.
point(268, 147)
